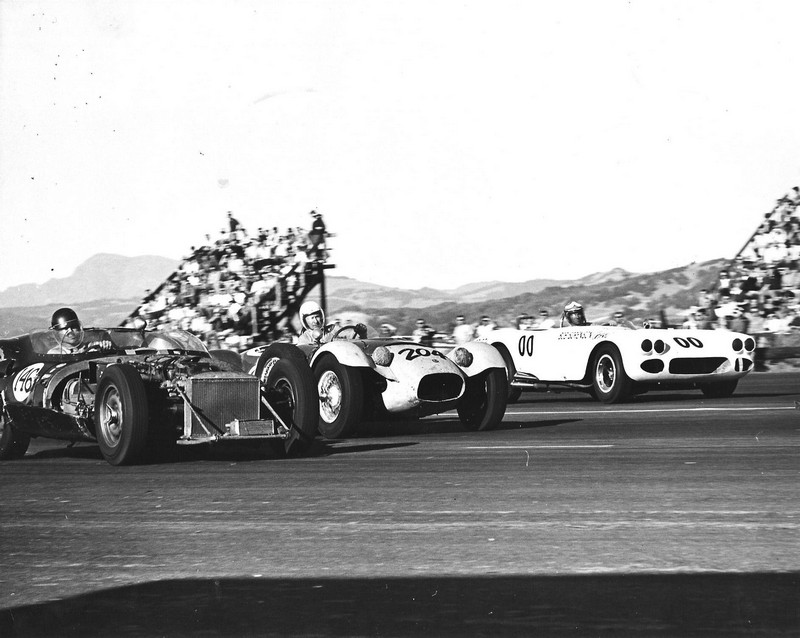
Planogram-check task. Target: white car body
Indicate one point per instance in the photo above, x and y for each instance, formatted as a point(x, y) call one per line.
point(583, 357)
point(373, 379)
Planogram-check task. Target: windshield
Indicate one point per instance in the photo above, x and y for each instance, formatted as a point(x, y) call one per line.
point(122, 339)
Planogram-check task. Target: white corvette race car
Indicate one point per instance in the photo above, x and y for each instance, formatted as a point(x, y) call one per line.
point(613, 363)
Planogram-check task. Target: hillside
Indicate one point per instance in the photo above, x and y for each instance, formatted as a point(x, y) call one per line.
point(102, 276)
point(106, 288)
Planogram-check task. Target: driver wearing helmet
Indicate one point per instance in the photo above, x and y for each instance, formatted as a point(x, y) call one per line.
point(315, 332)
point(573, 313)
point(70, 335)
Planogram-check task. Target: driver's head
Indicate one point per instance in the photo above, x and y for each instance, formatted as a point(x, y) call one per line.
point(66, 322)
point(574, 313)
point(311, 316)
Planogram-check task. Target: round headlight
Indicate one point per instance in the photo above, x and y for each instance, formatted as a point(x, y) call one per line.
point(737, 344)
point(382, 357)
point(647, 345)
point(659, 346)
point(749, 344)
point(463, 357)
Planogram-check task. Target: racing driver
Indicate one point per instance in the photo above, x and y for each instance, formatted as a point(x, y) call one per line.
point(315, 332)
point(69, 334)
point(573, 312)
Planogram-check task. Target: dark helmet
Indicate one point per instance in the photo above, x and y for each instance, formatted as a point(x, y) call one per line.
point(64, 318)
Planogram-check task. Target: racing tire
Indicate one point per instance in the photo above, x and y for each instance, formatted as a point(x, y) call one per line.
point(341, 397)
point(484, 402)
point(288, 387)
point(513, 393)
point(121, 415)
point(720, 389)
point(13, 444)
point(610, 383)
point(228, 356)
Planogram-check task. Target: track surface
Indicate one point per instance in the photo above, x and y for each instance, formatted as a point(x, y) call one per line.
point(669, 515)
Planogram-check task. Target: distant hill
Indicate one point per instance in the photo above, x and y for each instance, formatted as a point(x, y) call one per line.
point(106, 288)
point(103, 276)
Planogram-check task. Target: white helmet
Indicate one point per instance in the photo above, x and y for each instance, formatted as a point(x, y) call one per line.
point(310, 308)
point(573, 312)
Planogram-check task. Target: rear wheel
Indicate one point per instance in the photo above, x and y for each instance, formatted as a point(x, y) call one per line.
point(341, 397)
point(121, 415)
point(484, 402)
point(13, 444)
point(288, 386)
point(720, 389)
point(609, 381)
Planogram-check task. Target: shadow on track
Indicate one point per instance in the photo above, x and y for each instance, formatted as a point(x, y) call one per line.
point(638, 605)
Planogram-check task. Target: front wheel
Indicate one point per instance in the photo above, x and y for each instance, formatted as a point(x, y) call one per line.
point(287, 385)
point(720, 389)
point(484, 402)
point(121, 415)
point(341, 397)
point(610, 384)
point(13, 444)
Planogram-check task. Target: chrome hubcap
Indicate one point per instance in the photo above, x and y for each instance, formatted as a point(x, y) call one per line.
point(329, 388)
point(605, 373)
point(111, 418)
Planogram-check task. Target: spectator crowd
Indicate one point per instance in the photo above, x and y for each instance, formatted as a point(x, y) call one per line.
point(233, 289)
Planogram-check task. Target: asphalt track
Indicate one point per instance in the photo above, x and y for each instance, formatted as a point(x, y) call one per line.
point(672, 515)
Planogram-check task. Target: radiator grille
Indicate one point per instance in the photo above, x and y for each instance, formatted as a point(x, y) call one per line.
point(440, 387)
point(221, 397)
point(701, 365)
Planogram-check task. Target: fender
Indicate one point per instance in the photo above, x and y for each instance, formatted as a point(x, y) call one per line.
point(346, 353)
point(484, 357)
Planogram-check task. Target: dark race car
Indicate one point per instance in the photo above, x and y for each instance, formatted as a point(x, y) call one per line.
point(139, 391)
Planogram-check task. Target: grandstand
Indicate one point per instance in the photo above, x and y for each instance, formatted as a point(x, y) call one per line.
point(241, 289)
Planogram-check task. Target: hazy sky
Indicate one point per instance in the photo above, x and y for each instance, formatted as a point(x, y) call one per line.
point(445, 142)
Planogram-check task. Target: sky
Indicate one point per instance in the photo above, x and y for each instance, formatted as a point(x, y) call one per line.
point(444, 142)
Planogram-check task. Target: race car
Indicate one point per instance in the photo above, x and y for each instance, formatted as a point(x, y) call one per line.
point(615, 362)
point(146, 390)
point(373, 379)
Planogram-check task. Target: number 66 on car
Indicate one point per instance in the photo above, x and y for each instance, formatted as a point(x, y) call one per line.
point(612, 363)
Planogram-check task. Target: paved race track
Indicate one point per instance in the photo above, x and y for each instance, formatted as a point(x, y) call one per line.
point(669, 515)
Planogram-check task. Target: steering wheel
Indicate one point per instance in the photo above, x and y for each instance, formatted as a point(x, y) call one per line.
point(339, 331)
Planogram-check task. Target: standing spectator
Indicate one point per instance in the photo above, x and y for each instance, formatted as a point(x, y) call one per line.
point(485, 327)
point(423, 333)
point(233, 225)
point(463, 331)
point(691, 322)
point(545, 320)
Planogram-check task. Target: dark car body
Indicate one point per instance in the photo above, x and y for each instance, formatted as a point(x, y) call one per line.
point(143, 389)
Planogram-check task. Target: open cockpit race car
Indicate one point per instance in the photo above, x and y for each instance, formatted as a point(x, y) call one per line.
point(137, 392)
point(376, 379)
point(613, 363)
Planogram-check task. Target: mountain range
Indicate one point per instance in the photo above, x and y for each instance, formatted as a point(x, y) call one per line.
point(106, 288)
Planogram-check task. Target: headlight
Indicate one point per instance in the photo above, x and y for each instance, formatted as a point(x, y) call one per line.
point(749, 344)
point(659, 346)
point(463, 357)
point(382, 357)
point(737, 345)
point(647, 345)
